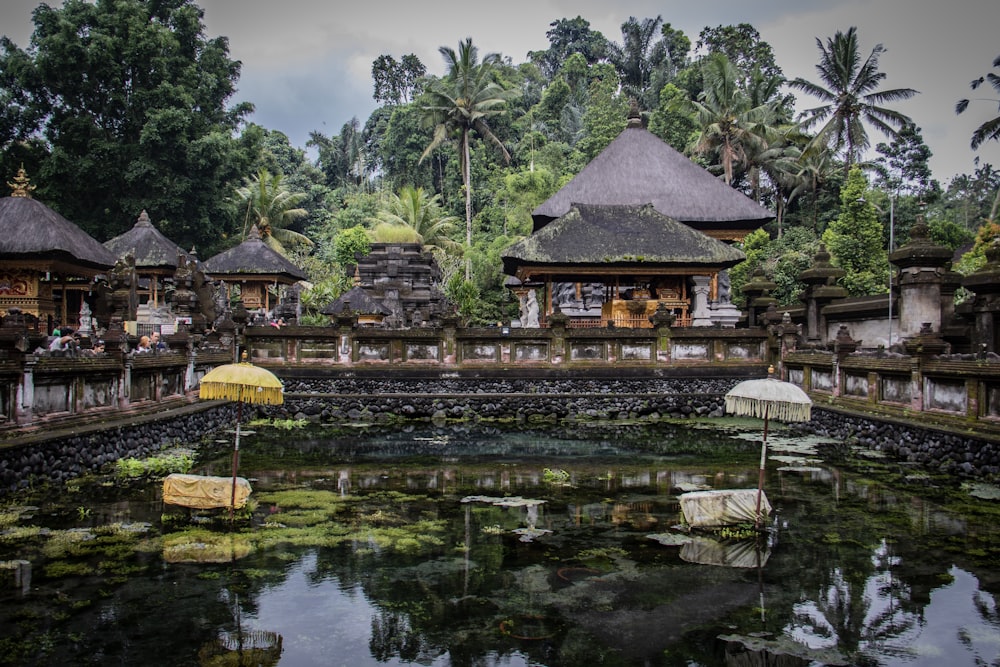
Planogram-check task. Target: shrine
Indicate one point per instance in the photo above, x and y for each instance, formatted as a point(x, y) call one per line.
point(48, 265)
point(256, 268)
point(639, 227)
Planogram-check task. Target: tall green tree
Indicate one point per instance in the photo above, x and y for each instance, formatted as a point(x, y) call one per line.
point(133, 101)
point(266, 202)
point(729, 125)
point(397, 82)
point(568, 37)
point(989, 130)
point(461, 104)
point(855, 238)
point(638, 56)
point(420, 213)
point(850, 96)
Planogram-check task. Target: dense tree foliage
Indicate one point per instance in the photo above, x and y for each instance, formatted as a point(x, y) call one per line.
point(855, 239)
point(122, 105)
point(850, 96)
point(129, 99)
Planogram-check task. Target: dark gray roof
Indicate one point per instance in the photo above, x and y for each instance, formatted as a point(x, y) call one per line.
point(623, 236)
point(252, 257)
point(150, 248)
point(639, 168)
point(356, 300)
point(30, 230)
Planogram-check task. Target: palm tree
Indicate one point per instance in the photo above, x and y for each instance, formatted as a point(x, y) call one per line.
point(850, 96)
point(730, 125)
point(991, 128)
point(638, 56)
point(461, 103)
point(272, 207)
point(413, 214)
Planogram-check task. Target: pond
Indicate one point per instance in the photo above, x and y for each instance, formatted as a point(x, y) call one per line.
point(485, 545)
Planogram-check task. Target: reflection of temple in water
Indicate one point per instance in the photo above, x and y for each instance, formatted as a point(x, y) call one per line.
point(640, 228)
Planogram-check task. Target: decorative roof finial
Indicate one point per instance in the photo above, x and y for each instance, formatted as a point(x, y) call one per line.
point(634, 116)
point(21, 187)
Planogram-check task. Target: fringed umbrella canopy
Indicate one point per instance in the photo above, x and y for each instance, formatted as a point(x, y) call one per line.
point(769, 398)
point(242, 382)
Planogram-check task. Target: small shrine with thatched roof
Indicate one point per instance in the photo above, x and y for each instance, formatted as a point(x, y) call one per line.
point(156, 257)
point(254, 266)
point(47, 263)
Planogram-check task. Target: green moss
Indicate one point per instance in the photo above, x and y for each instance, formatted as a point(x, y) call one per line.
point(60, 568)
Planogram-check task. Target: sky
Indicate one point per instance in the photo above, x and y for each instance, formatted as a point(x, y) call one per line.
point(307, 63)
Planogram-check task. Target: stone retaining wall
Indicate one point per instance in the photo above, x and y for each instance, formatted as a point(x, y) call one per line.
point(60, 459)
point(352, 399)
point(947, 452)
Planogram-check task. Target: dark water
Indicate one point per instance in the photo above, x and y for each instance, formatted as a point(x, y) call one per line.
point(375, 547)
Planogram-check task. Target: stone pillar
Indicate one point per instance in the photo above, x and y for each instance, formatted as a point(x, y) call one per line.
point(986, 284)
point(756, 292)
point(701, 316)
point(921, 266)
point(557, 323)
point(821, 288)
point(25, 402)
point(662, 319)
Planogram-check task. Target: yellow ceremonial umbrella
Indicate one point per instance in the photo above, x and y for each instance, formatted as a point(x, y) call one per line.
point(243, 383)
point(768, 398)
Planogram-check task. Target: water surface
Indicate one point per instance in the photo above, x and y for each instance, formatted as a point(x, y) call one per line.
point(483, 546)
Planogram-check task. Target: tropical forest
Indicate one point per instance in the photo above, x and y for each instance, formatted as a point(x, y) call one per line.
point(118, 107)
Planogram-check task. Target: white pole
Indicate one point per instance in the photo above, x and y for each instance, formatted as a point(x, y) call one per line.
point(892, 228)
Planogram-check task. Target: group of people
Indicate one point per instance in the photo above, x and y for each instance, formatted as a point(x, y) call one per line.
point(150, 343)
point(67, 341)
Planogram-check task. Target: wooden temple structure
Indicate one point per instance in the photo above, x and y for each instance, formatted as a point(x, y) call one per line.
point(156, 258)
point(48, 265)
point(648, 226)
point(254, 266)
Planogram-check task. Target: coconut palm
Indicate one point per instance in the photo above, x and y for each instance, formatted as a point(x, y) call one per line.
point(272, 207)
point(639, 54)
point(991, 128)
point(461, 103)
point(850, 96)
point(416, 217)
point(730, 123)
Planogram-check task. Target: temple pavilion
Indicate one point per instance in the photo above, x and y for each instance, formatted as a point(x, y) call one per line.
point(644, 226)
point(255, 267)
point(48, 265)
point(156, 257)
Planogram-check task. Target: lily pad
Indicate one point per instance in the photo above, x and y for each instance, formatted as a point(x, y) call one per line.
point(509, 501)
point(671, 539)
point(984, 491)
point(529, 534)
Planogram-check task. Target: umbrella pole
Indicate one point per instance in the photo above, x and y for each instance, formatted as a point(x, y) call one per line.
point(760, 476)
point(236, 459)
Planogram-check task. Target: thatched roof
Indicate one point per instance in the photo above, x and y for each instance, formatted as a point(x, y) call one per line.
point(639, 168)
point(31, 231)
point(356, 300)
point(589, 237)
point(150, 248)
point(253, 258)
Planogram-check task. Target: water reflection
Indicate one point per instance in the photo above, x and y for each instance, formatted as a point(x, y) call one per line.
point(485, 547)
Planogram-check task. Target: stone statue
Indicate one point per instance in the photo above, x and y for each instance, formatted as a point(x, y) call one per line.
point(86, 319)
point(530, 316)
point(724, 295)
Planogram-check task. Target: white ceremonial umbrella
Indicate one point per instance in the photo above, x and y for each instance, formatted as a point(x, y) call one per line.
point(765, 399)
